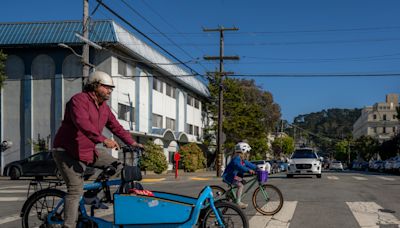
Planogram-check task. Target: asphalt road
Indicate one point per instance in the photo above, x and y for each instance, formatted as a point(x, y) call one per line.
point(338, 199)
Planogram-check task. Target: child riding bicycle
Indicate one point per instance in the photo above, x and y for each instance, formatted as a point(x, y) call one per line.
point(236, 168)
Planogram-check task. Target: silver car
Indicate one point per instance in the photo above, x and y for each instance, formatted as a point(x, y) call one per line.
point(336, 165)
point(304, 161)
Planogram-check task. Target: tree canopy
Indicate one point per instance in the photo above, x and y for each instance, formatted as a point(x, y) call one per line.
point(249, 114)
point(323, 129)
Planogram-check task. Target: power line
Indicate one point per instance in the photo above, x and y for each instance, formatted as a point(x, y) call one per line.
point(174, 28)
point(270, 75)
point(234, 75)
point(154, 27)
point(302, 31)
point(144, 35)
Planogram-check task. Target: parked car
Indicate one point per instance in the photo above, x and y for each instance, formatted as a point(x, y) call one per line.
point(336, 165)
point(38, 165)
point(389, 164)
point(360, 165)
point(283, 166)
point(304, 161)
point(396, 164)
point(377, 166)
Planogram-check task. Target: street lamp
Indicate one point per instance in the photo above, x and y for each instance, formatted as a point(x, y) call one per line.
point(76, 54)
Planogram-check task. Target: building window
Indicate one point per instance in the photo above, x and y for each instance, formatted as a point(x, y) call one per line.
point(126, 112)
point(121, 67)
point(196, 103)
point(394, 117)
point(170, 90)
point(374, 116)
point(375, 130)
point(196, 130)
point(157, 85)
point(384, 130)
point(384, 116)
point(189, 129)
point(394, 129)
point(170, 123)
point(157, 121)
point(190, 100)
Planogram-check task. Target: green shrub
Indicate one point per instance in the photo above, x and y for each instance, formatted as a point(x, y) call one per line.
point(153, 158)
point(192, 157)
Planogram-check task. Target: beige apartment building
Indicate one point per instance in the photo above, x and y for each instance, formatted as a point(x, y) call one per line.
point(379, 120)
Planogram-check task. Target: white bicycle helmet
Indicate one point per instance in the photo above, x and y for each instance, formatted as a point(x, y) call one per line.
point(100, 77)
point(242, 147)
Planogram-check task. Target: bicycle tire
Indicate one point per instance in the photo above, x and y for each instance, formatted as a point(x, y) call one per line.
point(267, 206)
point(34, 208)
point(231, 215)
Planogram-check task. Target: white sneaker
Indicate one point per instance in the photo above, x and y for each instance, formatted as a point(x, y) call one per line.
point(242, 205)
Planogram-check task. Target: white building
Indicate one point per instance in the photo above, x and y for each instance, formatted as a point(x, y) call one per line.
point(154, 97)
point(379, 121)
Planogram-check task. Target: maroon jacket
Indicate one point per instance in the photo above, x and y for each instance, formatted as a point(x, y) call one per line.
point(83, 125)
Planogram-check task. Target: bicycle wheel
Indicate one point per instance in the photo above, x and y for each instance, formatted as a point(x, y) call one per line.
point(43, 202)
point(231, 215)
point(267, 199)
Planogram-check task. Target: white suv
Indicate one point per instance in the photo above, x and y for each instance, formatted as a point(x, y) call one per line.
point(304, 161)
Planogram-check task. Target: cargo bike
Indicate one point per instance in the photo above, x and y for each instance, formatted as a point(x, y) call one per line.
point(133, 206)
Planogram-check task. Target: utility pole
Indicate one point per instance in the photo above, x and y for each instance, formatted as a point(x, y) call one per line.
point(219, 77)
point(85, 48)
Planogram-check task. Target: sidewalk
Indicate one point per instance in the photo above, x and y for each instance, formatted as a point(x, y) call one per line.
point(182, 176)
point(169, 176)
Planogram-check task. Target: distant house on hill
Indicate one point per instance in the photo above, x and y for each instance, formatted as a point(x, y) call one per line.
point(379, 121)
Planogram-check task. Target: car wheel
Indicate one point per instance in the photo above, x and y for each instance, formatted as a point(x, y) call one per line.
point(14, 173)
point(319, 175)
point(58, 175)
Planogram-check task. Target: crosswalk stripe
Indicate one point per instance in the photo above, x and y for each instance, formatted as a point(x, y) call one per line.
point(10, 199)
point(281, 219)
point(332, 177)
point(386, 178)
point(359, 178)
point(368, 214)
point(10, 218)
point(17, 186)
point(13, 191)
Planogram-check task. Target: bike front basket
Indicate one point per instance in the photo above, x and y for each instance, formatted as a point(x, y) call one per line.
point(262, 176)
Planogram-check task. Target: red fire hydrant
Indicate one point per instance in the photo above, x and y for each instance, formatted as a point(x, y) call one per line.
point(177, 157)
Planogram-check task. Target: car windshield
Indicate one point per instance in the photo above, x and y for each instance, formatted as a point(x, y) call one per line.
point(304, 154)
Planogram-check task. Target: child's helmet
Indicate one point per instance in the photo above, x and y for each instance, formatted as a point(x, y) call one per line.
point(242, 147)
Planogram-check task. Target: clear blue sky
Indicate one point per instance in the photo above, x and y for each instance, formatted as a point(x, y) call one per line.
point(282, 37)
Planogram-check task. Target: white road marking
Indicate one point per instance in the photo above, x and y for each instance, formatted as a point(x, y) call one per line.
point(280, 219)
point(9, 199)
point(386, 178)
point(359, 178)
point(10, 218)
point(332, 177)
point(13, 191)
point(17, 186)
point(368, 214)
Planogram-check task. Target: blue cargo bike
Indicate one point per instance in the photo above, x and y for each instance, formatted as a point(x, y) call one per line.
point(133, 206)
